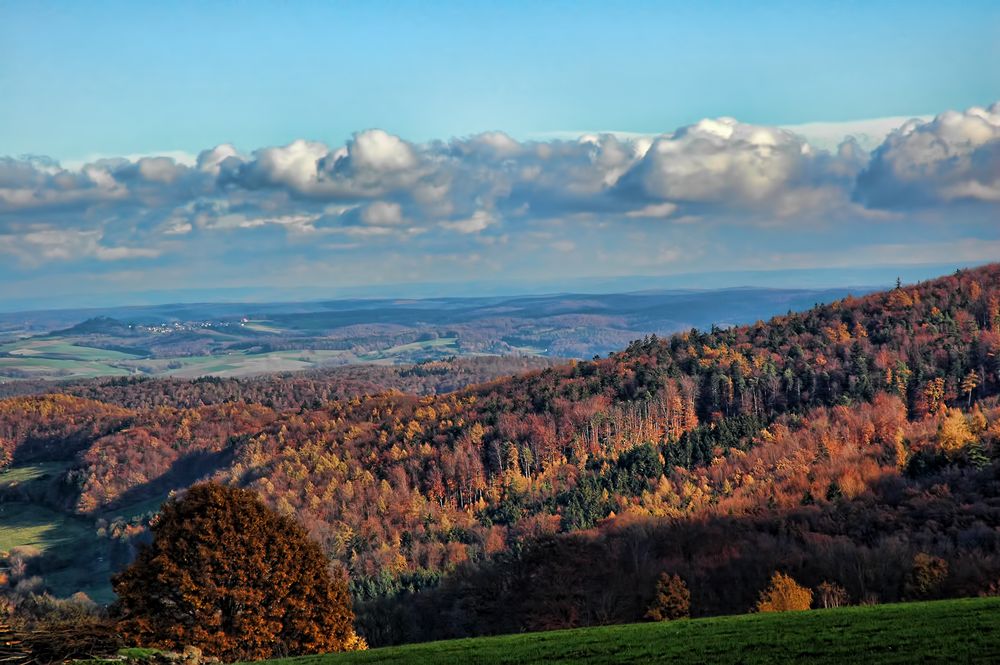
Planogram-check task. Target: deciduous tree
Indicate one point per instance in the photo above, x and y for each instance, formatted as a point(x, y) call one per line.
point(230, 575)
point(926, 576)
point(783, 595)
point(672, 599)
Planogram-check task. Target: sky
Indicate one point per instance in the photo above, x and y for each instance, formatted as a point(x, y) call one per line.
point(329, 146)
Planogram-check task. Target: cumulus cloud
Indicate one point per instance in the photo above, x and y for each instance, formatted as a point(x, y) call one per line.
point(212, 161)
point(954, 157)
point(380, 188)
point(379, 151)
point(868, 134)
point(732, 165)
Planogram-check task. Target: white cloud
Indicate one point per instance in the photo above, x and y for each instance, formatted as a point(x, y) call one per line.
point(380, 151)
point(302, 223)
point(381, 213)
point(41, 243)
point(293, 165)
point(726, 163)
point(955, 157)
point(479, 221)
point(379, 188)
point(211, 161)
point(653, 210)
point(179, 156)
point(177, 228)
point(868, 133)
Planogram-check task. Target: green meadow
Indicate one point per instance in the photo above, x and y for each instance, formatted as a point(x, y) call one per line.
point(950, 631)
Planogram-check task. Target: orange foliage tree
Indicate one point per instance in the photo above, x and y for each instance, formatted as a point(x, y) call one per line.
point(672, 600)
point(926, 576)
point(784, 595)
point(954, 434)
point(230, 575)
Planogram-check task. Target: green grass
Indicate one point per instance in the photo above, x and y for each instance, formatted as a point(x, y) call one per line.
point(143, 507)
point(19, 475)
point(60, 358)
point(53, 368)
point(59, 349)
point(28, 524)
point(248, 364)
point(264, 327)
point(74, 556)
point(952, 631)
point(138, 653)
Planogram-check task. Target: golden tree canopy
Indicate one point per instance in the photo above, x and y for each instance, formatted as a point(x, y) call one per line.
point(783, 595)
point(672, 599)
point(953, 433)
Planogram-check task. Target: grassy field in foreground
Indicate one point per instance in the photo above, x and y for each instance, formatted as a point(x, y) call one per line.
point(953, 631)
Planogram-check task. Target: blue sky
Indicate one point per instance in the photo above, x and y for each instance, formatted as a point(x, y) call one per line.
point(131, 77)
point(398, 142)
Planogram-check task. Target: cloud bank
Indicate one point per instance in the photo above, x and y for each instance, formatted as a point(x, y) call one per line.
point(669, 198)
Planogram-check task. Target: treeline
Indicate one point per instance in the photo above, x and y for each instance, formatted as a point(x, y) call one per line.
point(287, 391)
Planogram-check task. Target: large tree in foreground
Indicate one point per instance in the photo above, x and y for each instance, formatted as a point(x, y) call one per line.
point(228, 574)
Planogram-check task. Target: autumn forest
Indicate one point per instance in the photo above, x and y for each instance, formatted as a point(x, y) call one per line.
point(854, 446)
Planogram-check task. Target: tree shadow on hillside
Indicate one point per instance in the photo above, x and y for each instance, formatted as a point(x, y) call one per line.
point(182, 473)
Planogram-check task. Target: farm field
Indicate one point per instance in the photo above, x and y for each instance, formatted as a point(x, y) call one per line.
point(964, 631)
point(62, 360)
point(238, 340)
point(35, 358)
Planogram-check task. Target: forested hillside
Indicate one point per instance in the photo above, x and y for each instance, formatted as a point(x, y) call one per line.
point(290, 389)
point(854, 444)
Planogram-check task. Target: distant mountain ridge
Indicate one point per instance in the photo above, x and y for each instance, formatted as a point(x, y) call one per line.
point(811, 278)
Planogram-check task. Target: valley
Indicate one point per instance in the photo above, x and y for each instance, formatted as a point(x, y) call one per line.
point(236, 340)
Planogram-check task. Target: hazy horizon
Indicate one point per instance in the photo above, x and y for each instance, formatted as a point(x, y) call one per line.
point(872, 277)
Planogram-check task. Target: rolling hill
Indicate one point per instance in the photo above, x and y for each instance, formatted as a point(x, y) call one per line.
point(252, 339)
point(846, 443)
